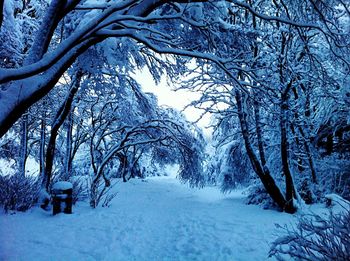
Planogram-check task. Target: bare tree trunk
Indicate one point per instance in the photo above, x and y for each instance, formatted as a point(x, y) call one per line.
point(309, 156)
point(329, 144)
point(262, 172)
point(125, 169)
point(290, 190)
point(305, 139)
point(259, 131)
point(256, 105)
point(68, 159)
point(135, 168)
point(42, 145)
point(24, 145)
point(95, 194)
point(57, 123)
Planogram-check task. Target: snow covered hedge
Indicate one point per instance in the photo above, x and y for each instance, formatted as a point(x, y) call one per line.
point(316, 238)
point(18, 192)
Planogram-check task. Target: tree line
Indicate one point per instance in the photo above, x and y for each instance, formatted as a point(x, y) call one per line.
point(275, 75)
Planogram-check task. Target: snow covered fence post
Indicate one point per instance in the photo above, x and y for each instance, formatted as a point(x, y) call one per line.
point(62, 193)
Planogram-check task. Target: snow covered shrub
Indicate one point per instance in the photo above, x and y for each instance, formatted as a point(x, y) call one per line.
point(257, 195)
point(335, 176)
point(190, 148)
point(18, 192)
point(341, 182)
point(108, 199)
point(79, 190)
point(236, 169)
point(305, 192)
point(100, 192)
point(316, 238)
point(228, 183)
point(230, 167)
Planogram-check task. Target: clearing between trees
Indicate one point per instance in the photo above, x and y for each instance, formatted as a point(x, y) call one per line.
point(153, 219)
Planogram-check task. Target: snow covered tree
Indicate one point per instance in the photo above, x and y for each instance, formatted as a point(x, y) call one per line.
point(127, 125)
point(265, 62)
point(276, 65)
point(146, 22)
point(121, 19)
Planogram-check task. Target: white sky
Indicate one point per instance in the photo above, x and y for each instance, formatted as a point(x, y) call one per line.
point(176, 99)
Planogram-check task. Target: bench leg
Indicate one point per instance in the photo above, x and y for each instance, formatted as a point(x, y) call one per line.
point(56, 205)
point(68, 206)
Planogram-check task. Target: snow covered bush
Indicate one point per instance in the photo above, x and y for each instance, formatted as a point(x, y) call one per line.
point(316, 238)
point(236, 171)
point(18, 192)
point(100, 193)
point(80, 190)
point(342, 183)
point(257, 195)
point(229, 166)
point(306, 191)
point(335, 176)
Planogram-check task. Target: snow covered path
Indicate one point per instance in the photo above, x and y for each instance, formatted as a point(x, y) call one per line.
point(159, 219)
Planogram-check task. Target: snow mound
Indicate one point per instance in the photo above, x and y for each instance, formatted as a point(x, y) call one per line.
point(62, 185)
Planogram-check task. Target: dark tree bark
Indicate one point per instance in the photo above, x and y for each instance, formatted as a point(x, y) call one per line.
point(309, 156)
point(24, 145)
point(284, 110)
point(329, 144)
point(290, 190)
point(304, 139)
point(256, 104)
point(57, 123)
point(262, 172)
point(42, 145)
point(259, 131)
point(69, 137)
point(123, 166)
point(298, 145)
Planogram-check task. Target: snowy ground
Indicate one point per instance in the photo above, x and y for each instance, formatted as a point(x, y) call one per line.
point(159, 219)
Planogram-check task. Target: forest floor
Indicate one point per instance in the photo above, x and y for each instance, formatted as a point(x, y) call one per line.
point(153, 219)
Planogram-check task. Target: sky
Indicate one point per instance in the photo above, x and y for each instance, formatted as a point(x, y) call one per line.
point(176, 99)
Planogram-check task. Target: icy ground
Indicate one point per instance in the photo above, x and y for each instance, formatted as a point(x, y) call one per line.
point(157, 219)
